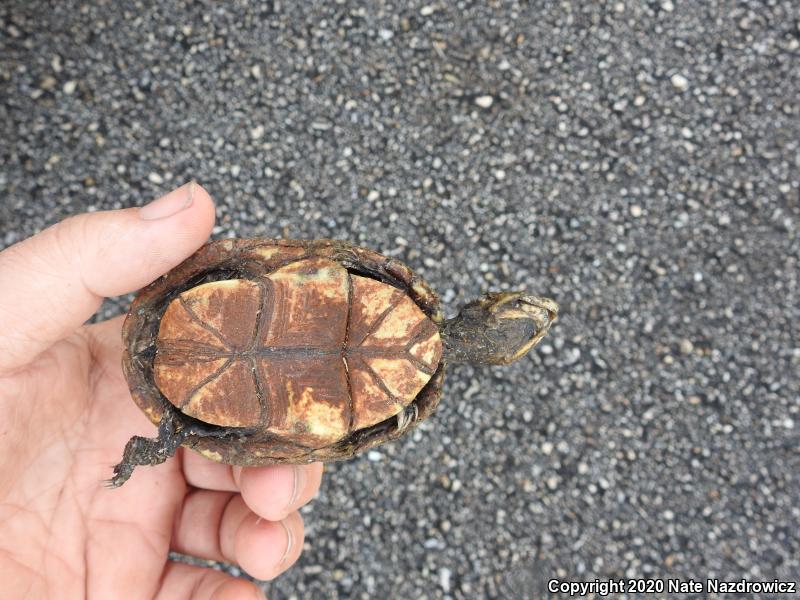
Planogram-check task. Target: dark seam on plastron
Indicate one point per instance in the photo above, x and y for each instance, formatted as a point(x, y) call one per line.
point(174, 354)
point(426, 329)
point(419, 365)
point(262, 417)
point(350, 407)
point(390, 352)
point(212, 330)
point(278, 353)
point(261, 319)
point(205, 381)
point(277, 324)
point(379, 381)
point(260, 314)
point(423, 334)
point(429, 329)
point(394, 300)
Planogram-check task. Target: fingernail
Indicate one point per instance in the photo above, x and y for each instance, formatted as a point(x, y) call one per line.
point(169, 205)
point(289, 542)
point(298, 486)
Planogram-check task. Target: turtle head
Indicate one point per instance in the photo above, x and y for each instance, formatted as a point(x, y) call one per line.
point(498, 328)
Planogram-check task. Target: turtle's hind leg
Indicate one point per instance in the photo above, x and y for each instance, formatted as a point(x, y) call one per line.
point(149, 451)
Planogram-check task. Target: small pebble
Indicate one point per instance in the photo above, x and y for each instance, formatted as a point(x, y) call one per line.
point(321, 124)
point(679, 82)
point(257, 132)
point(48, 83)
point(445, 575)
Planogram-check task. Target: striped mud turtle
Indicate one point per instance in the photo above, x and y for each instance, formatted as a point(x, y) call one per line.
point(261, 351)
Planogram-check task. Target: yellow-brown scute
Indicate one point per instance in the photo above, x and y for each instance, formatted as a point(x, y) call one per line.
point(308, 399)
point(370, 300)
point(371, 402)
point(177, 380)
point(228, 307)
point(309, 310)
point(395, 328)
point(309, 403)
point(429, 350)
point(179, 328)
point(229, 399)
point(399, 376)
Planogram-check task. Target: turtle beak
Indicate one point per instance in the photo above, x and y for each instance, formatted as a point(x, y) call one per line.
point(539, 303)
point(537, 309)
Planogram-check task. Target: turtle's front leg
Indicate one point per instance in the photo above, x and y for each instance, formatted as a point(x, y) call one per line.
point(148, 451)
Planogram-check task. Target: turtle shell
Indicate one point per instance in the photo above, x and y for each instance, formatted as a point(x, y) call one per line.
point(286, 351)
point(309, 352)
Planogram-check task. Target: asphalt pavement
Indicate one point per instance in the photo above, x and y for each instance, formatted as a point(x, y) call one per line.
point(637, 161)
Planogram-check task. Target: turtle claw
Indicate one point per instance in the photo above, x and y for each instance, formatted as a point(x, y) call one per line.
point(122, 473)
point(138, 451)
point(147, 451)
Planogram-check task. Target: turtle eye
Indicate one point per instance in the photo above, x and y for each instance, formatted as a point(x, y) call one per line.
point(512, 332)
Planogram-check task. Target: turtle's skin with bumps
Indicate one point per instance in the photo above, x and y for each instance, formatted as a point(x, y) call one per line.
point(262, 351)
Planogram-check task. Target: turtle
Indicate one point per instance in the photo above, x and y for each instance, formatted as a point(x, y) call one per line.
point(258, 351)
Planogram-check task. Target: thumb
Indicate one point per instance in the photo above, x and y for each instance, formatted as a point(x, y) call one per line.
point(54, 281)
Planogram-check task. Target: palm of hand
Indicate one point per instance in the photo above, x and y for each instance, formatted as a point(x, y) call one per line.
point(70, 414)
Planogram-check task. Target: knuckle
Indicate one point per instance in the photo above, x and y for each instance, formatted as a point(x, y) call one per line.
point(68, 238)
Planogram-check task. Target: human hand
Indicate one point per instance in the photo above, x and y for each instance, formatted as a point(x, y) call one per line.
point(66, 413)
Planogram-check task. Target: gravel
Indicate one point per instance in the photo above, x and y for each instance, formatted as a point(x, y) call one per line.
point(636, 161)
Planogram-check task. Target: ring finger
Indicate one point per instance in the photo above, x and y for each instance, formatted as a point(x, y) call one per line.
point(220, 526)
